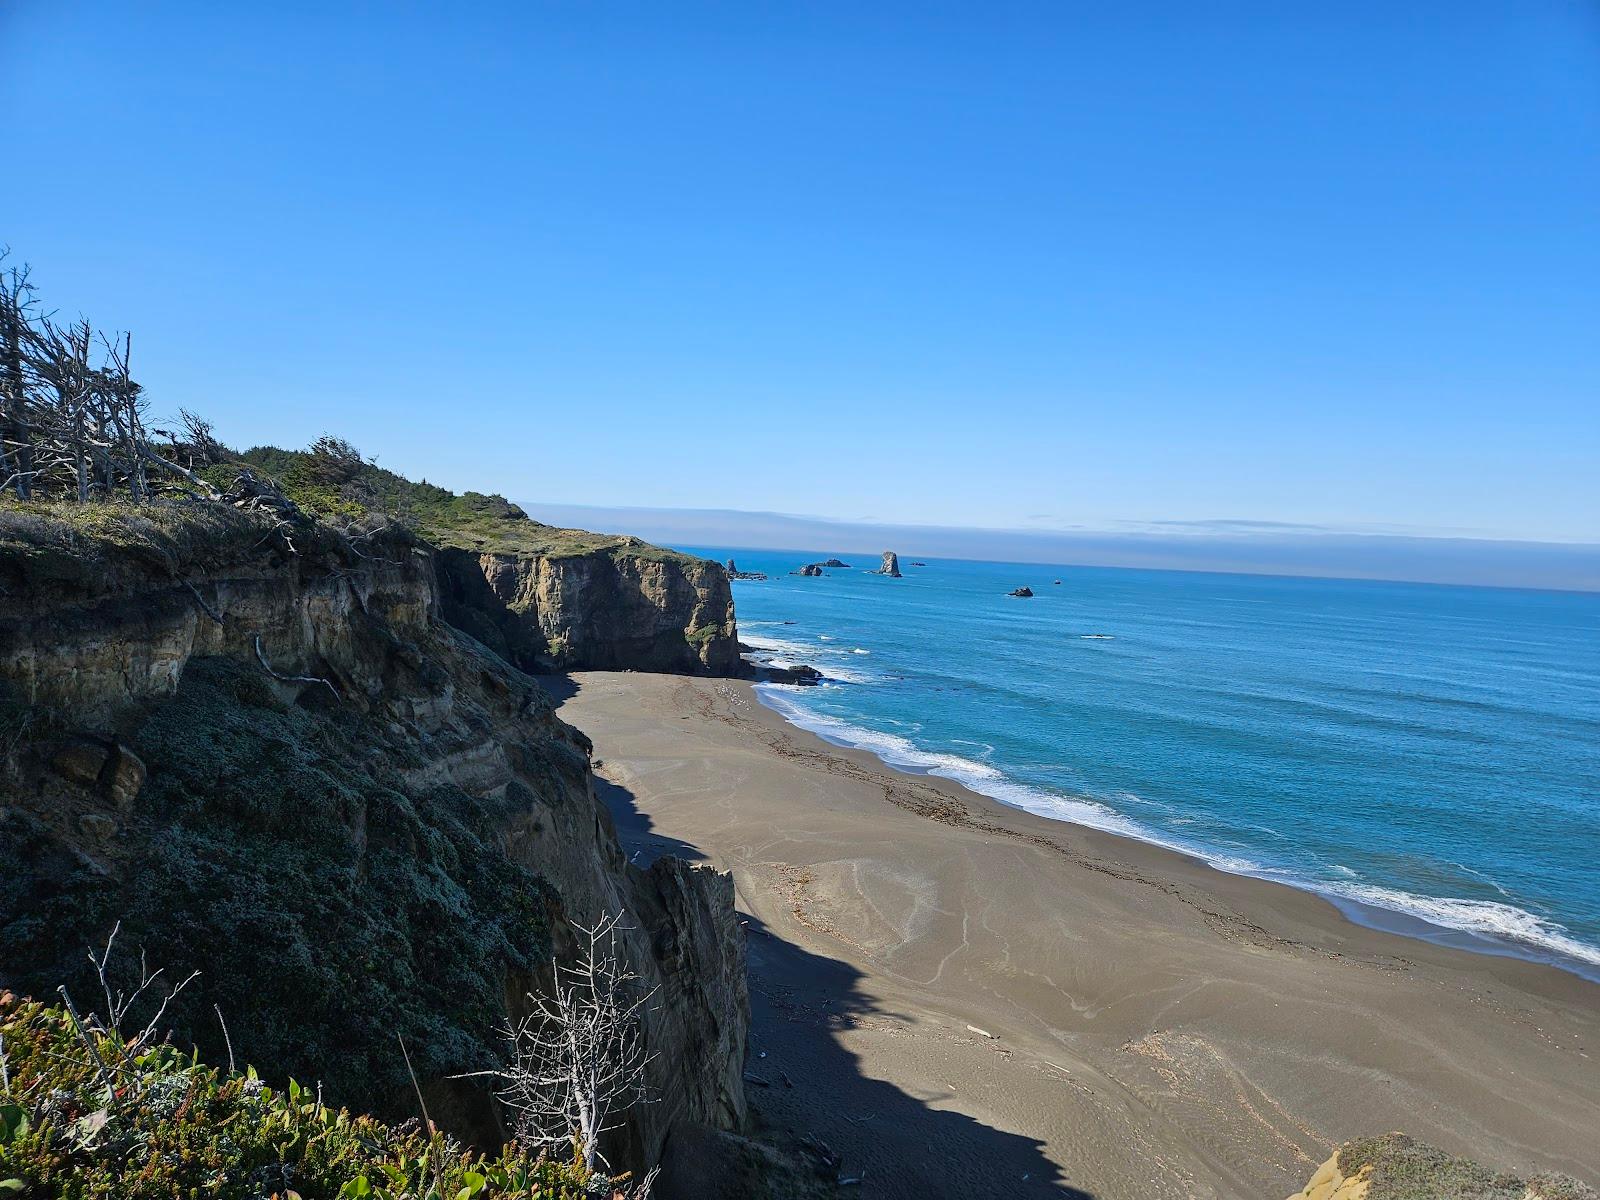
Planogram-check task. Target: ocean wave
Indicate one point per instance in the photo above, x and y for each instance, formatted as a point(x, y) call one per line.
point(981, 777)
point(1503, 924)
point(1484, 918)
point(786, 654)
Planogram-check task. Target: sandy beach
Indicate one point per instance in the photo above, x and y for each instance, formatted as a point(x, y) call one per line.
point(960, 998)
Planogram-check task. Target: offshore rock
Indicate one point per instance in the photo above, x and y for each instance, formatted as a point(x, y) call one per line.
point(890, 565)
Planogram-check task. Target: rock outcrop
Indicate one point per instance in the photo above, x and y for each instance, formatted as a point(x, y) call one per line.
point(1024, 593)
point(735, 573)
point(285, 770)
point(836, 564)
point(890, 565)
point(811, 570)
point(1394, 1167)
point(800, 675)
point(608, 607)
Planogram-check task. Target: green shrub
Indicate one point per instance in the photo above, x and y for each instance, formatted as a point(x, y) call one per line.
point(1402, 1169)
point(169, 1127)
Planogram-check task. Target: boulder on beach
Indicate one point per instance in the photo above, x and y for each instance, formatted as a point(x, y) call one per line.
point(891, 565)
point(1025, 592)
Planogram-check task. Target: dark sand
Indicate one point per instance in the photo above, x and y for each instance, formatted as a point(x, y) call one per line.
point(1160, 1029)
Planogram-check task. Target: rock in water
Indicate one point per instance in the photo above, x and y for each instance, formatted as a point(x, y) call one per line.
point(891, 565)
point(801, 674)
point(1025, 592)
point(811, 569)
point(834, 562)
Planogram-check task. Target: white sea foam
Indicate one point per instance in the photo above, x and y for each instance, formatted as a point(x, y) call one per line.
point(979, 776)
point(859, 650)
point(1502, 923)
point(1486, 918)
point(787, 654)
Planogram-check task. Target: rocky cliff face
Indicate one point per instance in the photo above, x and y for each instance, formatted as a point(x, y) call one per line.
point(615, 607)
point(286, 771)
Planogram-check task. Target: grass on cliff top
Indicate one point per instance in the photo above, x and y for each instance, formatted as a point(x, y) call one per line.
point(1401, 1169)
point(164, 1126)
point(87, 545)
point(332, 480)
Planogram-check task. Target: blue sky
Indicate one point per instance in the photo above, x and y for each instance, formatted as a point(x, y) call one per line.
point(1043, 266)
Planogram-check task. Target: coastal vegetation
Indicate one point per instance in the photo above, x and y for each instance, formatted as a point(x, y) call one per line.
point(84, 1115)
point(1395, 1167)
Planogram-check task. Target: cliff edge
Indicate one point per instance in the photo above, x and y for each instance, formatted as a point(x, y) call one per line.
point(543, 598)
point(267, 755)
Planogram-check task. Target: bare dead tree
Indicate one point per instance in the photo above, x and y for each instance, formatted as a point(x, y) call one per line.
point(71, 424)
point(578, 1060)
point(126, 1045)
point(16, 332)
point(61, 360)
point(125, 407)
point(201, 436)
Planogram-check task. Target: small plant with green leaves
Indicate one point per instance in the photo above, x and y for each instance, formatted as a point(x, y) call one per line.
point(86, 1114)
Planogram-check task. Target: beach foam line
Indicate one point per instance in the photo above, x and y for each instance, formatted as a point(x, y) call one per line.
point(981, 777)
point(1491, 926)
point(1501, 923)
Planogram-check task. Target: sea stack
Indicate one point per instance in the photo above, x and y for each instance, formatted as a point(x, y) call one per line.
point(811, 569)
point(891, 565)
point(1025, 593)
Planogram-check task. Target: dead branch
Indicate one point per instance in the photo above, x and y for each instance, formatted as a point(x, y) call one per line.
point(267, 667)
point(200, 600)
point(578, 1060)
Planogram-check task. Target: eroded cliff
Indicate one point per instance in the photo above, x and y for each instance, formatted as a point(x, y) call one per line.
point(618, 606)
point(542, 597)
point(284, 769)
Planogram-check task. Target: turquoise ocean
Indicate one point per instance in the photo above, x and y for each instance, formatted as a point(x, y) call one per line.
point(1426, 757)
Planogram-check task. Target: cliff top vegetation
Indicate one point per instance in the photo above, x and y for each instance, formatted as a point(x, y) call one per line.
point(333, 479)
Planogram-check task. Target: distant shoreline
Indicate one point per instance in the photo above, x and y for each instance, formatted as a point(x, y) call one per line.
point(1365, 915)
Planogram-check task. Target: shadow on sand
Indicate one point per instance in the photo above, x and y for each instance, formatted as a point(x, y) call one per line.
point(808, 1091)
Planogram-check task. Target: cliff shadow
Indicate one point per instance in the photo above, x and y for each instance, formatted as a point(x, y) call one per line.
point(808, 1092)
point(560, 688)
point(640, 841)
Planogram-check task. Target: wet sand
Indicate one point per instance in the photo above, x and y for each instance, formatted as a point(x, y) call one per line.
point(959, 998)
